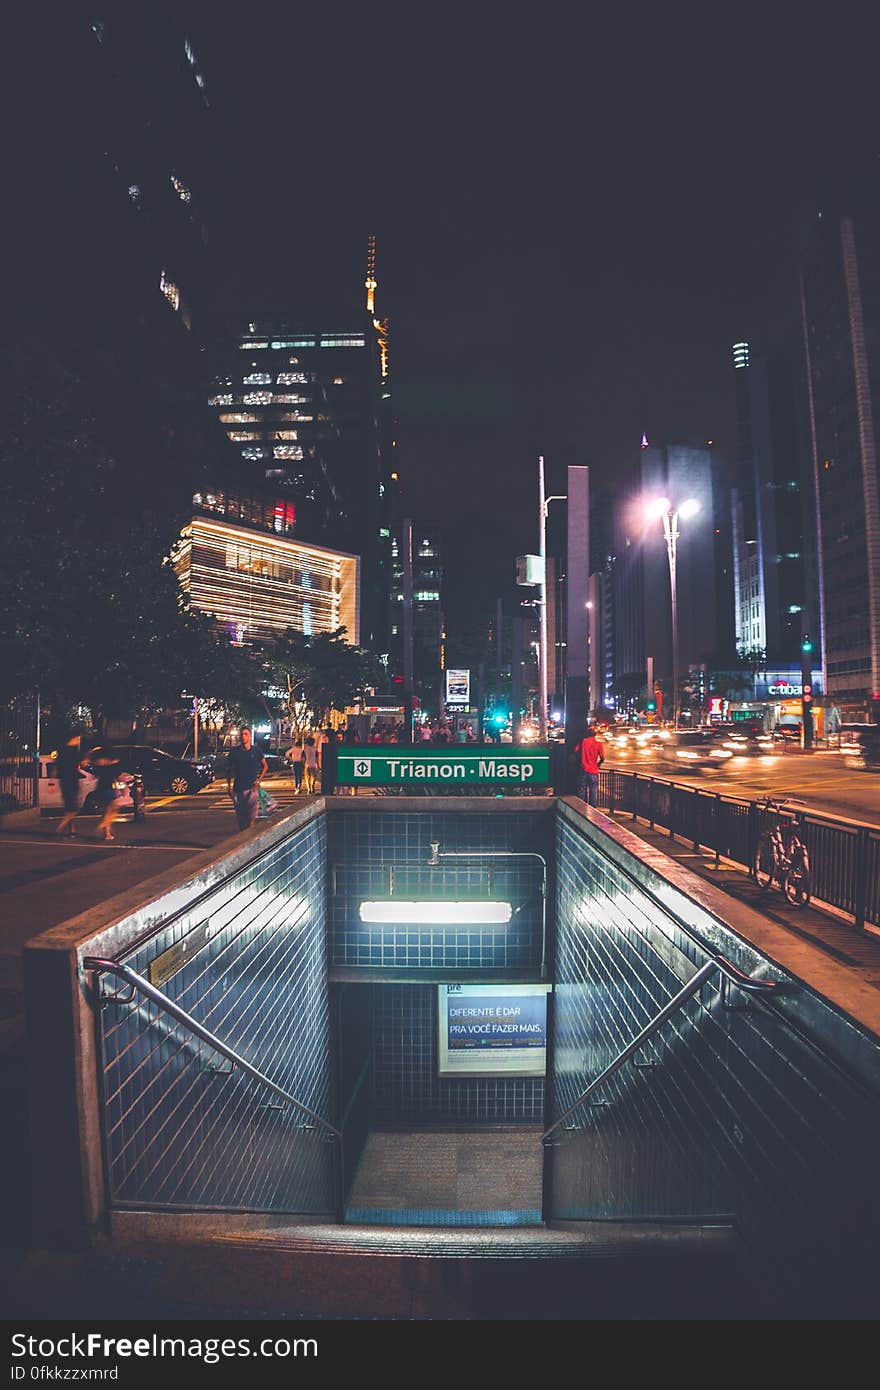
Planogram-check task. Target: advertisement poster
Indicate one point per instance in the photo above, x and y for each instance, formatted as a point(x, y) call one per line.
point(458, 687)
point(492, 1030)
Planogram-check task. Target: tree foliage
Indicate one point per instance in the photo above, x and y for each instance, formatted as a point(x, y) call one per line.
point(320, 673)
point(91, 611)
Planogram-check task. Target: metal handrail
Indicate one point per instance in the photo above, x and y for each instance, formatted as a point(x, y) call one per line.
point(693, 985)
point(138, 982)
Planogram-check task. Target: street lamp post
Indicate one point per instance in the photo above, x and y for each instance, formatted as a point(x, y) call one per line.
point(670, 515)
point(543, 508)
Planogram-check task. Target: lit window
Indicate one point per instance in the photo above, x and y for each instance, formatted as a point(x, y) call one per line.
point(258, 379)
point(281, 399)
point(239, 417)
point(225, 399)
point(284, 434)
point(290, 378)
point(339, 381)
point(427, 595)
point(181, 189)
point(384, 531)
point(287, 451)
point(240, 436)
point(170, 290)
point(252, 453)
point(293, 342)
point(247, 343)
point(134, 194)
point(257, 398)
point(342, 340)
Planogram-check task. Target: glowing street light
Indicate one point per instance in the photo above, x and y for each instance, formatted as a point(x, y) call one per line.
point(660, 508)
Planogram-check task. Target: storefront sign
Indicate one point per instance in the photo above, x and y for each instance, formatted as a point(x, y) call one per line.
point(487, 1030)
point(459, 766)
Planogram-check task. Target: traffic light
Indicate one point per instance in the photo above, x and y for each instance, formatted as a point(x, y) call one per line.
point(500, 718)
point(806, 646)
point(651, 706)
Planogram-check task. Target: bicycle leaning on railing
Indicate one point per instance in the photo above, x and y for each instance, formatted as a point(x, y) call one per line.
point(781, 856)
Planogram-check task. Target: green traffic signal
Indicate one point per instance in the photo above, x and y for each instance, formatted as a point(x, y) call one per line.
point(651, 706)
point(806, 645)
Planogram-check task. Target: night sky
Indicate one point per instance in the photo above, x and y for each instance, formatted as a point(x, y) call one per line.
point(575, 218)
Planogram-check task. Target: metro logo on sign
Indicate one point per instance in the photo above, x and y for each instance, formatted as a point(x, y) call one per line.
point(363, 767)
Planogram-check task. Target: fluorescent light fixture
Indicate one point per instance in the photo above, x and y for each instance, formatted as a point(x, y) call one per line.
point(433, 912)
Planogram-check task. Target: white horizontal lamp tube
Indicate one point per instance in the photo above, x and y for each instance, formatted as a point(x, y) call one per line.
point(436, 913)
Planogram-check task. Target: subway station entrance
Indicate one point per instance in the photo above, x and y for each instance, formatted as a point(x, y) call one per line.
point(407, 1018)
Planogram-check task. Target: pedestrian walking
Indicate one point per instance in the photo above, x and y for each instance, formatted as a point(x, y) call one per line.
point(247, 768)
point(106, 770)
point(70, 776)
point(312, 764)
point(138, 796)
point(294, 756)
point(591, 753)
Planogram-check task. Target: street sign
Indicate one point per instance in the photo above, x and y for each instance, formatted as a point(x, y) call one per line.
point(529, 570)
point(376, 765)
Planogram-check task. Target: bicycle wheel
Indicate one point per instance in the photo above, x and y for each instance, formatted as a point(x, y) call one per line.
point(797, 887)
point(764, 863)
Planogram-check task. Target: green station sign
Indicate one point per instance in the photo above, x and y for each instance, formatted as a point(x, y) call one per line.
point(452, 766)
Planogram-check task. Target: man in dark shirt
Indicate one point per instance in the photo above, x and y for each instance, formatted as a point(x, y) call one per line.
point(247, 768)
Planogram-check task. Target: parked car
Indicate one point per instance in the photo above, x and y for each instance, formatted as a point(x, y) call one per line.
point(49, 796)
point(161, 772)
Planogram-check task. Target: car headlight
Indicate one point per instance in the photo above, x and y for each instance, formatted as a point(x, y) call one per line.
point(685, 753)
point(720, 753)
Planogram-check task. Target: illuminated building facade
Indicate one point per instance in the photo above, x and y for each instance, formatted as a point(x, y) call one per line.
point(258, 585)
point(308, 412)
point(840, 298)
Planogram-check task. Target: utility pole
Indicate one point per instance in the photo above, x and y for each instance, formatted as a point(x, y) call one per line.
point(806, 688)
point(407, 558)
point(542, 603)
point(516, 633)
point(543, 507)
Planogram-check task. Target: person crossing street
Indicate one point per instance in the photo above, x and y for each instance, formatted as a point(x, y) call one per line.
point(247, 768)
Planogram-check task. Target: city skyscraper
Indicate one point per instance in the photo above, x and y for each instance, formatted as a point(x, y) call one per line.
point(307, 407)
point(840, 301)
point(116, 192)
point(774, 561)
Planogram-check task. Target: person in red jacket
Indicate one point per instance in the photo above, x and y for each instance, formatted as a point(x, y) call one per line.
point(592, 755)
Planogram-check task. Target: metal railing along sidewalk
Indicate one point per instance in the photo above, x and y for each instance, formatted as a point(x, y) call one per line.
point(844, 855)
